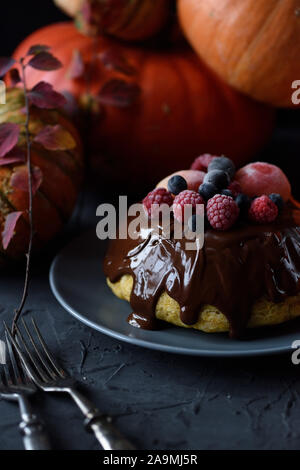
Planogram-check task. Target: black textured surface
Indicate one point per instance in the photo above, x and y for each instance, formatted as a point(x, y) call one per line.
point(158, 400)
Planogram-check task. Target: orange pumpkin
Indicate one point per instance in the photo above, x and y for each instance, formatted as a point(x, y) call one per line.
point(253, 45)
point(181, 111)
point(132, 20)
point(60, 173)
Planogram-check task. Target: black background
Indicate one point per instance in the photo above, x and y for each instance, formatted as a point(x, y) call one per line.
point(18, 19)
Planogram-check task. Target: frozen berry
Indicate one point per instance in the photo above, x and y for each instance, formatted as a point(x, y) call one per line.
point(201, 163)
point(218, 178)
point(235, 188)
point(243, 203)
point(207, 190)
point(187, 197)
point(278, 200)
point(222, 212)
point(176, 184)
point(263, 210)
point(195, 223)
point(261, 178)
point(193, 178)
point(154, 199)
point(223, 164)
point(226, 192)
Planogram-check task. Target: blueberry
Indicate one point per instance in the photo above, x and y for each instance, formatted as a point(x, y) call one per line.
point(224, 164)
point(207, 190)
point(218, 178)
point(194, 223)
point(243, 203)
point(277, 199)
point(226, 192)
point(176, 184)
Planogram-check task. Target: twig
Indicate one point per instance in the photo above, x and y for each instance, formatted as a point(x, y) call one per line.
point(19, 310)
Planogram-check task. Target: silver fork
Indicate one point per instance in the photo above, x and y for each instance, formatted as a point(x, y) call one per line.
point(17, 387)
point(48, 375)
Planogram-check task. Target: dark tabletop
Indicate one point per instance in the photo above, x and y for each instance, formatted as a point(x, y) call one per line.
point(158, 400)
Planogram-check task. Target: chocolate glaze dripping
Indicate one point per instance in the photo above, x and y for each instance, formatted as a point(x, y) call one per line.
point(231, 271)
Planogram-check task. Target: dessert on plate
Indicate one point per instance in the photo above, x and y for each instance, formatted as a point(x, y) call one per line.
point(246, 274)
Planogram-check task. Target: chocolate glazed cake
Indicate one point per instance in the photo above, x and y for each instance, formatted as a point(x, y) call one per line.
point(233, 270)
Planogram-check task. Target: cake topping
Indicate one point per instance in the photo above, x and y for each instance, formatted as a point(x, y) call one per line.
point(243, 203)
point(193, 178)
point(154, 199)
point(224, 164)
point(263, 210)
point(226, 192)
point(176, 184)
point(201, 163)
point(261, 178)
point(218, 178)
point(266, 184)
point(186, 198)
point(235, 187)
point(207, 190)
point(278, 200)
point(222, 212)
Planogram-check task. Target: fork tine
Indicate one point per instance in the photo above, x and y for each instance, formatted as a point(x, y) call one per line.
point(54, 363)
point(13, 361)
point(2, 378)
point(8, 378)
point(40, 356)
point(28, 367)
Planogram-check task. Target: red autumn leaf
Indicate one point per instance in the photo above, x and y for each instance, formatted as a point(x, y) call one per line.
point(77, 67)
point(45, 61)
point(55, 138)
point(19, 179)
point(16, 155)
point(9, 227)
point(9, 136)
point(119, 93)
point(113, 60)
point(14, 77)
point(44, 96)
point(6, 63)
point(37, 49)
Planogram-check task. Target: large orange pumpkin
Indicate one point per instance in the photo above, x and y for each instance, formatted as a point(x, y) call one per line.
point(181, 111)
point(60, 173)
point(254, 45)
point(132, 20)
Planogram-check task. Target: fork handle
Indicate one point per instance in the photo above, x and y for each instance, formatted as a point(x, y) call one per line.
point(32, 429)
point(107, 435)
point(34, 437)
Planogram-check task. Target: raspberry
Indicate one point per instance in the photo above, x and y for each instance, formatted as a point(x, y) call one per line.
point(263, 210)
point(158, 196)
point(222, 212)
point(235, 188)
point(201, 163)
point(184, 198)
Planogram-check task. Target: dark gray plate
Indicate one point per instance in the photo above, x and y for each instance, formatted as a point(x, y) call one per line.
point(78, 283)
